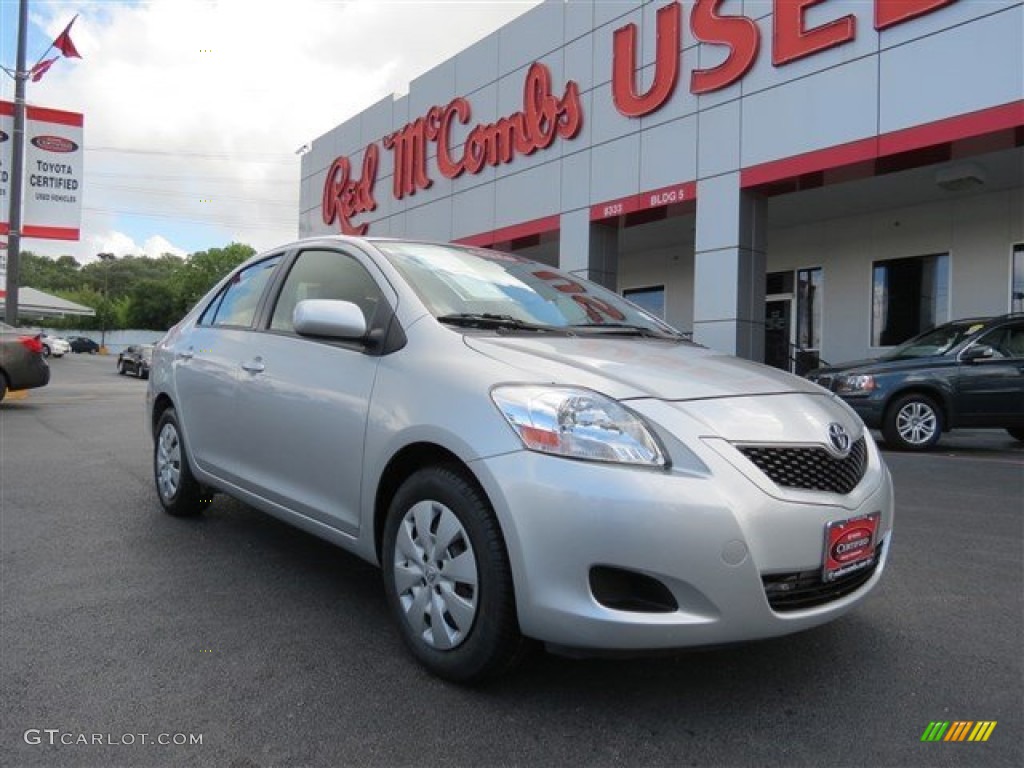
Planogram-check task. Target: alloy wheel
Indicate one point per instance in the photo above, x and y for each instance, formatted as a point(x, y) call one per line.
point(916, 423)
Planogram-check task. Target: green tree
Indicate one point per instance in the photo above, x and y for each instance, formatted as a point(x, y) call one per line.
point(131, 291)
point(202, 270)
point(154, 305)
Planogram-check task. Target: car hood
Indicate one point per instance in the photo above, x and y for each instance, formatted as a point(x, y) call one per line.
point(880, 365)
point(626, 368)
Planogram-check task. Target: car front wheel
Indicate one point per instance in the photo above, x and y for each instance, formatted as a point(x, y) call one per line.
point(448, 579)
point(177, 489)
point(46, 351)
point(912, 423)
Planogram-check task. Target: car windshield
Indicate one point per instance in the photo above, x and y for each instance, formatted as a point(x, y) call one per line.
point(937, 341)
point(481, 288)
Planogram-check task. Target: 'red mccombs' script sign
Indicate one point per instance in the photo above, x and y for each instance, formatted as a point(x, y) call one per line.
point(544, 118)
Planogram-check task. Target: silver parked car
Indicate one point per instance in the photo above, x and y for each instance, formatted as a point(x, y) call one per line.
point(524, 453)
point(21, 360)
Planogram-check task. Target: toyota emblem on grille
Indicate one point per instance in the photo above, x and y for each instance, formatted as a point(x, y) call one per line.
point(839, 438)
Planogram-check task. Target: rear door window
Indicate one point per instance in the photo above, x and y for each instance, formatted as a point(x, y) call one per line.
point(237, 303)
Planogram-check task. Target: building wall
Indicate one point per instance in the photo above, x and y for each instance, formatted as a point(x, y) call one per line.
point(927, 69)
point(916, 84)
point(976, 231)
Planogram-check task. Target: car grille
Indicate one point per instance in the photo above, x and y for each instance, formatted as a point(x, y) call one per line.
point(812, 469)
point(805, 589)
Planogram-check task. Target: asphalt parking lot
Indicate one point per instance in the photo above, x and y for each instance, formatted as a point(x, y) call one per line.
point(124, 627)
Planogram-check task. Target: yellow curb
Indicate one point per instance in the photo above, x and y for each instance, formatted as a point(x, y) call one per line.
point(21, 394)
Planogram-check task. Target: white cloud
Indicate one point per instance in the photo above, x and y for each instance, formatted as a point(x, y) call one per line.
point(194, 110)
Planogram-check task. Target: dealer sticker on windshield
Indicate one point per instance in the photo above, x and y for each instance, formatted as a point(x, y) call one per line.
point(849, 545)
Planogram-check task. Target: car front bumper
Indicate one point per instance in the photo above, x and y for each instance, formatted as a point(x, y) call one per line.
point(870, 409)
point(709, 539)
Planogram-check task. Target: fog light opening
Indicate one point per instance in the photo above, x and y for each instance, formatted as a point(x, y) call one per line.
point(623, 590)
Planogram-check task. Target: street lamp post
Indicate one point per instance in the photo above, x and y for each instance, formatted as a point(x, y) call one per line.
point(106, 258)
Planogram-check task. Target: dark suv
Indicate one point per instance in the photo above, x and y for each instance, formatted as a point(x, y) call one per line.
point(968, 373)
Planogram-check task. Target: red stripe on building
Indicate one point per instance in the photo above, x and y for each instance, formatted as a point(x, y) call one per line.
point(526, 229)
point(675, 193)
point(941, 131)
point(961, 127)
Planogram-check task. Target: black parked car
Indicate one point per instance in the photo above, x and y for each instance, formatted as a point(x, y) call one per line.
point(83, 344)
point(968, 373)
point(135, 359)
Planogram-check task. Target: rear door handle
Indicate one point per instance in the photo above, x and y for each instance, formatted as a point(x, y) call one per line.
point(254, 366)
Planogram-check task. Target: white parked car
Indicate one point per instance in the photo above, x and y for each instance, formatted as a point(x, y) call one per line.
point(54, 345)
point(525, 454)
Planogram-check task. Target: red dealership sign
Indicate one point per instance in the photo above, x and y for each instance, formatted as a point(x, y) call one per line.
point(792, 39)
point(546, 116)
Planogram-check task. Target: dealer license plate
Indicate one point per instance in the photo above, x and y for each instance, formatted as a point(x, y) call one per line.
point(849, 545)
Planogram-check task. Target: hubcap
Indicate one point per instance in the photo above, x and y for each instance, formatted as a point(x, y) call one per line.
point(436, 575)
point(168, 462)
point(916, 423)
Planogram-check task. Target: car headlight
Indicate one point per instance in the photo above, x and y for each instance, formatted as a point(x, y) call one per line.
point(855, 385)
point(577, 423)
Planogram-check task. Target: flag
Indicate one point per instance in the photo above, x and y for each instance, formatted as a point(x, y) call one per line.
point(63, 42)
point(41, 69)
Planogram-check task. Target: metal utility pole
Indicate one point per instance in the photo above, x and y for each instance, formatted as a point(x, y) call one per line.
point(17, 172)
point(105, 259)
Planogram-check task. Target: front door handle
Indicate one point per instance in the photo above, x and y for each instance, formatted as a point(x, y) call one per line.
point(186, 354)
point(254, 366)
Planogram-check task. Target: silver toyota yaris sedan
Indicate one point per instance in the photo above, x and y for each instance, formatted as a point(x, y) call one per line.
point(524, 453)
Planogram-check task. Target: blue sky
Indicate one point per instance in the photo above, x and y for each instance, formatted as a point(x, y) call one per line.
point(194, 110)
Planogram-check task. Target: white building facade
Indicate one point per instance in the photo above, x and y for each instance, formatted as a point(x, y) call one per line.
point(789, 180)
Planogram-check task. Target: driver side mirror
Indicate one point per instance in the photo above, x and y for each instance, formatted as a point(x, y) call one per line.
point(977, 352)
point(330, 318)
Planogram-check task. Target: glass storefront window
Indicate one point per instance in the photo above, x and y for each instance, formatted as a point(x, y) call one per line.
point(651, 299)
point(908, 296)
point(808, 308)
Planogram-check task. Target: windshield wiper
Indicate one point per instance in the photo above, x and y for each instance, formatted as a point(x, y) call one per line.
point(625, 329)
point(489, 320)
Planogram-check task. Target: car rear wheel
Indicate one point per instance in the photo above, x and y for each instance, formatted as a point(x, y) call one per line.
point(1017, 433)
point(177, 489)
point(3, 386)
point(448, 579)
point(122, 368)
point(912, 423)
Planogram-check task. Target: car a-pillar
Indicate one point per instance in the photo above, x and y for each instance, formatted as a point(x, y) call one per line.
point(729, 267)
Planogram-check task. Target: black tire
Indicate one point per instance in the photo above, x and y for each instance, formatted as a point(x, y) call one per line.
point(490, 643)
point(912, 422)
point(1017, 433)
point(3, 386)
point(46, 350)
point(179, 492)
point(122, 369)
